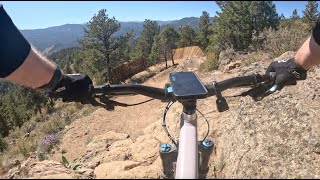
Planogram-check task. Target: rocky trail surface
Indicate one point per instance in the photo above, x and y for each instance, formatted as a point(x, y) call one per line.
point(278, 137)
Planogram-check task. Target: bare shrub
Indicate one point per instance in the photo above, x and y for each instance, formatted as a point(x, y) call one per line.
point(227, 56)
point(279, 41)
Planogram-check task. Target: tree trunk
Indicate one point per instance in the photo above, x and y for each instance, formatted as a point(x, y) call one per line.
point(165, 58)
point(109, 68)
point(172, 58)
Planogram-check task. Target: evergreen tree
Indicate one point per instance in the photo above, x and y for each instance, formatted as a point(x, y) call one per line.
point(263, 15)
point(100, 48)
point(187, 36)
point(168, 41)
point(64, 57)
point(295, 15)
point(235, 25)
point(17, 106)
point(310, 14)
point(203, 35)
point(155, 50)
point(144, 46)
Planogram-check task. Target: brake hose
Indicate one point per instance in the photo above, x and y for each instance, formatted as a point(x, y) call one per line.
point(207, 125)
point(164, 123)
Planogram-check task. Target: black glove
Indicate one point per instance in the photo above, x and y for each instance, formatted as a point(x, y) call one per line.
point(287, 72)
point(74, 88)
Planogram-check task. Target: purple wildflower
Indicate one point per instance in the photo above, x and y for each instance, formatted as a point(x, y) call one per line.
point(48, 142)
point(51, 138)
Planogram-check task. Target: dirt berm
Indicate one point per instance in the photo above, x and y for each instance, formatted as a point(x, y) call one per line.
point(277, 137)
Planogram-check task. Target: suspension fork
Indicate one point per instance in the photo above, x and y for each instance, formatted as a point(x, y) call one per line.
point(168, 156)
point(205, 150)
point(194, 155)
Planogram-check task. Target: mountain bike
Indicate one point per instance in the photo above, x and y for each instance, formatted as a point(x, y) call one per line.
point(187, 157)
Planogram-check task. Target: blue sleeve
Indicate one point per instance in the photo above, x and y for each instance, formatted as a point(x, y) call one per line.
point(14, 48)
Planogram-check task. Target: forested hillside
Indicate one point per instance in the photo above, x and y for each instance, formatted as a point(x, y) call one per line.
point(53, 39)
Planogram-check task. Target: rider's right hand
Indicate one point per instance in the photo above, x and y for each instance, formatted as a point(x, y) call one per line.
point(74, 88)
point(287, 72)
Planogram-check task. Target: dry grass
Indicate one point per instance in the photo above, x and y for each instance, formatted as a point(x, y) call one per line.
point(27, 140)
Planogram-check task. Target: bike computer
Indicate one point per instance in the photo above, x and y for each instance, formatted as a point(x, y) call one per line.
point(187, 86)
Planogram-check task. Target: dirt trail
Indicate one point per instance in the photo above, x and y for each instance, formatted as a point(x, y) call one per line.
point(134, 120)
point(129, 120)
point(140, 122)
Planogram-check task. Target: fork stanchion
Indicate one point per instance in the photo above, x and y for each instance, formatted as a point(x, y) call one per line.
point(205, 149)
point(168, 156)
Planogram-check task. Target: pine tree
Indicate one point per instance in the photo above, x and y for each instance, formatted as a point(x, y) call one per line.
point(168, 41)
point(203, 36)
point(187, 36)
point(154, 56)
point(17, 106)
point(235, 25)
point(144, 46)
point(310, 14)
point(100, 48)
point(263, 14)
point(295, 15)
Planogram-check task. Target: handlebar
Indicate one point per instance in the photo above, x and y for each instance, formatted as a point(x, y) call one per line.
point(128, 89)
point(262, 86)
point(243, 81)
point(162, 93)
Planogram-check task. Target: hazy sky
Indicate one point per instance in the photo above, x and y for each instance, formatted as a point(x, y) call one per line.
point(34, 15)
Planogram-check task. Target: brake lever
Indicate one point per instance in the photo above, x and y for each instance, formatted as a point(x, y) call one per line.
point(260, 92)
point(259, 97)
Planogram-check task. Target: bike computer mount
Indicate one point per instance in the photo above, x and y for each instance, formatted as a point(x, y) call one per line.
point(187, 86)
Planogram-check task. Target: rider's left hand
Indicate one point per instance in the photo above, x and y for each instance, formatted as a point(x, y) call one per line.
point(74, 88)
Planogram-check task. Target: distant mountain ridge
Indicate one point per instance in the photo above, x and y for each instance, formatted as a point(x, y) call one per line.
point(52, 39)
